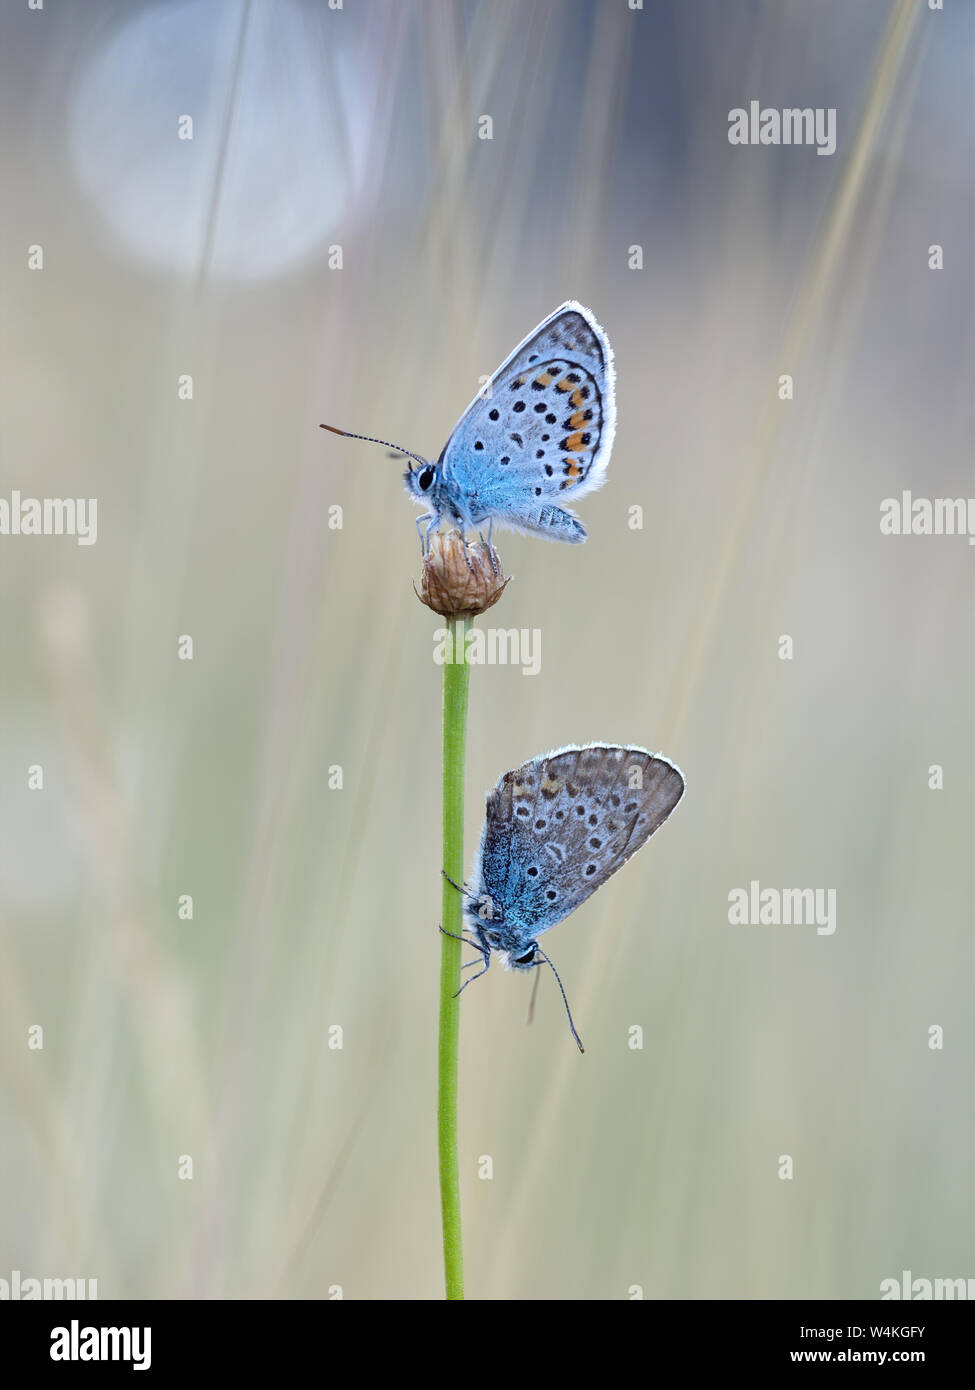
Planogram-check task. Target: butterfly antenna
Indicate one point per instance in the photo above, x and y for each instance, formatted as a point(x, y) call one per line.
point(531, 1002)
point(371, 439)
point(568, 1011)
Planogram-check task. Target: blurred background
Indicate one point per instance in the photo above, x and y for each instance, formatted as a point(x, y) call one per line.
point(337, 243)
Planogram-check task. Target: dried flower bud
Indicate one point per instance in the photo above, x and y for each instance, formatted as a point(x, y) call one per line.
point(460, 580)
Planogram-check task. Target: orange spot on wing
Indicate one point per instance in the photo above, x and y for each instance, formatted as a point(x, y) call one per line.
point(564, 385)
point(577, 397)
point(577, 420)
point(573, 471)
point(574, 443)
point(544, 380)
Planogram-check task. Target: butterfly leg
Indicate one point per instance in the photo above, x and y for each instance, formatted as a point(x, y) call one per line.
point(477, 947)
point(434, 519)
point(427, 516)
point(465, 891)
point(483, 971)
point(490, 541)
point(466, 939)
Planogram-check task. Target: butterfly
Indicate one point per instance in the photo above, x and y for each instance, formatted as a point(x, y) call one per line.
point(555, 829)
point(538, 434)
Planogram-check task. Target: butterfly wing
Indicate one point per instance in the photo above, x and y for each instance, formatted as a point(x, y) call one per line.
point(564, 823)
point(542, 432)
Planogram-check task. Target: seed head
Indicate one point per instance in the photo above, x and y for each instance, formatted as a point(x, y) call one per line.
point(460, 580)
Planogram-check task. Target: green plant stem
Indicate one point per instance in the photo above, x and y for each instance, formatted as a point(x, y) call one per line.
point(456, 674)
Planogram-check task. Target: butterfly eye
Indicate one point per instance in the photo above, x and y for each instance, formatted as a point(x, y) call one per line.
point(526, 959)
point(425, 479)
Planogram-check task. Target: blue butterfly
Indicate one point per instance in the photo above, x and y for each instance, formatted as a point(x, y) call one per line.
point(557, 828)
point(539, 433)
